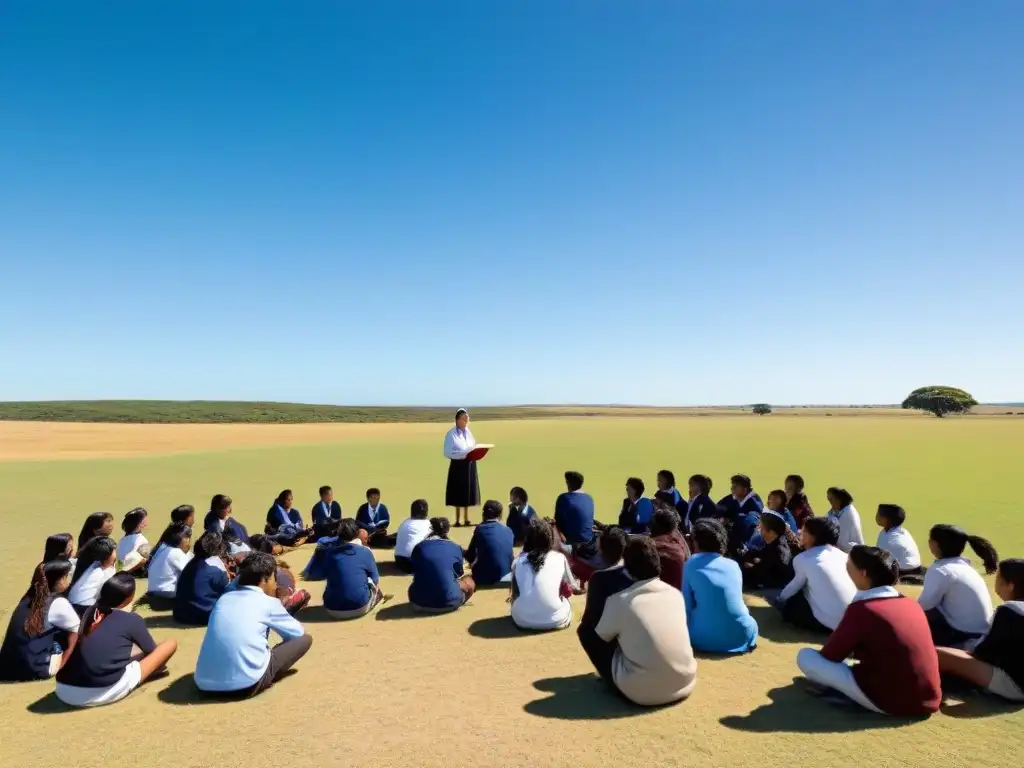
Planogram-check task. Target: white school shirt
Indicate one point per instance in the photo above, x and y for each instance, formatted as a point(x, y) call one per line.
point(458, 443)
point(60, 614)
point(371, 512)
point(165, 568)
point(87, 589)
point(900, 544)
point(821, 573)
point(850, 533)
point(129, 544)
point(540, 604)
point(410, 533)
point(958, 591)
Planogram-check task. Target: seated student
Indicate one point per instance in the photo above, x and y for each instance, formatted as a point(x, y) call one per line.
point(43, 630)
point(353, 582)
point(742, 499)
point(96, 524)
point(666, 481)
point(439, 583)
point(641, 645)
point(374, 518)
point(796, 500)
point(284, 523)
point(235, 659)
point(220, 520)
point(897, 669)
point(636, 510)
point(574, 519)
point(170, 556)
point(316, 568)
point(326, 514)
point(770, 568)
point(996, 663)
point(97, 562)
point(716, 616)
point(821, 588)
point(538, 577)
point(699, 506)
point(955, 598)
point(897, 541)
point(846, 515)
point(672, 549)
point(410, 533)
point(490, 553)
point(776, 503)
point(60, 546)
point(203, 580)
point(607, 581)
point(105, 666)
point(520, 513)
point(291, 597)
point(184, 513)
point(741, 514)
point(133, 549)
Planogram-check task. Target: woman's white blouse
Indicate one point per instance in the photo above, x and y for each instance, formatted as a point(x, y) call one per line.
point(458, 443)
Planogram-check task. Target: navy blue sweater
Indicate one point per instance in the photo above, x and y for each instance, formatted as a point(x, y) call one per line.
point(231, 527)
point(574, 516)
point(436, 569)
point(491, 552)
point(519, 520)
point(23, 657)
point(381, 521)
point(350, 568)
point(199, 586)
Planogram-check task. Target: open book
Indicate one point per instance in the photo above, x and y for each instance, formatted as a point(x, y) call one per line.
point(479, 452)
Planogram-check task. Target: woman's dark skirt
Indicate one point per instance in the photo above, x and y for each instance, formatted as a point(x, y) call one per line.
point(463, 484)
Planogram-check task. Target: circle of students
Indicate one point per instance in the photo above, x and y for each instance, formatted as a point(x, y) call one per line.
point(666, 581)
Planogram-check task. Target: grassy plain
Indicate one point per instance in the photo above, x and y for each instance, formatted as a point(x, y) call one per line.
point(466, 689)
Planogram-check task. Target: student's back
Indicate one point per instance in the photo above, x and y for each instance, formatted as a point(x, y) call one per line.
point(821, 571)
point(350, 570)
point(100, 659)
point(574, 516)
point(491, 552)
point(436, 567)
point(27, 657)
point(201, 583)
point(718, 619)
point(959, 593)
point(539, 603)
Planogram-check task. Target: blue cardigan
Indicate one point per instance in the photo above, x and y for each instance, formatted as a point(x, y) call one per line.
point(320, 516)
point(232, 527)
point(491, 552)
point(383, 519)
point(437, 566)
point(199, 586)
point(716, 616)
point(349, 569)
point(518, 520)
point(574, 516)
point(636, 517)
point(703, 507)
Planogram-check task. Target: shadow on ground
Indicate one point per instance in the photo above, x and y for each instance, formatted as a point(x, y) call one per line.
point(580, 697)
point(183, 692)
point(975, 704)
point(49, 705)
point(770, 626)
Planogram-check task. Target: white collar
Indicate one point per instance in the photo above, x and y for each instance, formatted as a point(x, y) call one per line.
point(959, 559)
point(747, 498)
point(578, 490)
point(216, 562)
point(876, 593)
point(252, 588)
point(1017, 606)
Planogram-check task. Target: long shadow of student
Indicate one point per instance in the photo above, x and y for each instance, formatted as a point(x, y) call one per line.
point(183, 692)
point(770, 626)
point(581, 697)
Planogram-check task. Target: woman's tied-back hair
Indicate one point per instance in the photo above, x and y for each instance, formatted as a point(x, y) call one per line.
point(182, 512)
point(57, 546)
point(537, 542)
point(881, 568)
point(133, 519)
point(115, 592)
point(439, 527)
point(173, 535)
point(842, 495)
point(96, 550)
point(45, 579)
point(283, 495)
point(92, 525)
point(952, 540)
point(219, 503)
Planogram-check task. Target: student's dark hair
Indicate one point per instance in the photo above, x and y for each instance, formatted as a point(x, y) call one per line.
point(220, 502)
point(796, 480)
point(133, 519)
point(824, 530)
point(637, 485)
point(774, 522)
point(419, 509)
point(348, 530)
point(210, 544)
point(115, 592)
point(256, 568)
point(710, 536)
point(613, 543)
point(183, 512)
point(664, 520)
point(45, 579)
point(952, 541)
point(92, 525)
point(439, 527)
point(96, 550)
point(1012, 572)
point(780, 494)
point(519, 493)
point(324, 489)
point(538, 541)
point(666, 474)
point(881, 568)
point(843, 495)
point(742, 481)
point(57, 546)
point(573, 480)
point(664, 498)
point(492, 510)
point(261, 543)
point(701, 481)
point(372, 492)
point(641, 558)
point(894, 514)
point(173, 535)
point(284, 495)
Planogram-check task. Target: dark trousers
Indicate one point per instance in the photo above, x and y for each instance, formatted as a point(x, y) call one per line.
point(913, 575)
point(797, 611)
point(599, 651)
point(379, 539)
point(404, 564)
point(283, 657)
point(943, 633)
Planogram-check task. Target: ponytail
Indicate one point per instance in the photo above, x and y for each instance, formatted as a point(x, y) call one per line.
point(115, 592)
point(983, 548)
point(439, 527)
point(45, 578)
point(951, 542)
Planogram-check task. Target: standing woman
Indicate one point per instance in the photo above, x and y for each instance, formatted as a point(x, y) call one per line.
point(463, 490)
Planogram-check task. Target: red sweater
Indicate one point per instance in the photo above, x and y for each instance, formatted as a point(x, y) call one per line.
point(898, 669)
point(673, 553)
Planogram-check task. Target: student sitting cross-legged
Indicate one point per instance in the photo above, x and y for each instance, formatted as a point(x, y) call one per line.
point(955, 598)
point(519, 514)
point(353, 582)
point(821, 588)
point(996, 664)
point(220, 519)
point(97, 562)
point(539, 575)
point(700, 505)
point(284, 522)
point(740, 512)
point(670, 543)
point(439, 583)
point(410, 533)
point(607, 581)
point(326, 514)
point(796, 500)
point(170, 556)
point(640, 645)
point(897, 541)
point(636, 508)
point(203, 580)
point(374, 518)
point(44, 626)
point(291, 597)
point(896, 670)
point(716, 616)
point(235, 658)
point(574, 526)
point(490, 553)
point(105, 667)
point(769, 568)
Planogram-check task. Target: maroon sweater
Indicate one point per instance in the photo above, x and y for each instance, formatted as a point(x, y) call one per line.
point(672, 552)
point(898, 669)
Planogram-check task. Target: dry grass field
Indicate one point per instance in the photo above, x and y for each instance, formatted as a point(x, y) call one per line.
point(467, 689)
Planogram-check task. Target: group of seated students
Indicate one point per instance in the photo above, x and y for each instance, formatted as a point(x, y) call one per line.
point(667, 581)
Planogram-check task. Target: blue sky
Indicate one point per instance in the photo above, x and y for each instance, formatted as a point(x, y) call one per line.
point(511, 202)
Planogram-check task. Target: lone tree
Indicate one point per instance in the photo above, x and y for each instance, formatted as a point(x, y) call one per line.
point(761, 409)
point(940, 400)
